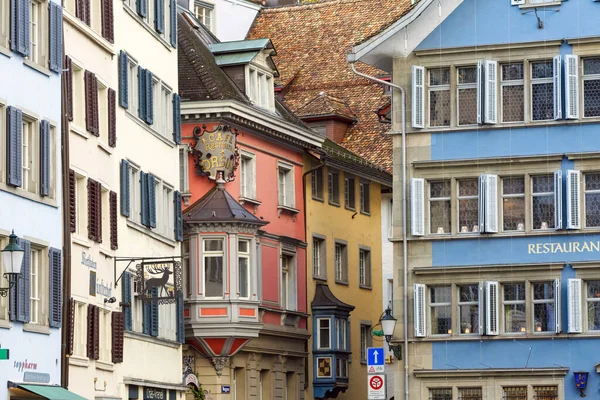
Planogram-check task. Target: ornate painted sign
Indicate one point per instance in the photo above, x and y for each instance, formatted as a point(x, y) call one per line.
point(159, 281)
point(154, 394)
point(215, 152)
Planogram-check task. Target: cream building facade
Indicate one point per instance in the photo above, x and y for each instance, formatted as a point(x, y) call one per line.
point(121, 101)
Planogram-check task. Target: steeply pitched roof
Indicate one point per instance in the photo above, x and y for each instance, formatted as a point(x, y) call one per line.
point(324, 299)
point(325, 104)
point(312, 41)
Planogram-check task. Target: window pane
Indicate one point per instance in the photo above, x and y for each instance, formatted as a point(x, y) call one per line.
point(439, 210)
point(469, 308)
point(513, 203)
point(213, 276)
point(542, 98)
point(467, 106)
point(543, 202)
point(213, 245)
point(512, 72)
point(468, 205)
point(514, 291)
point(591, 66)
point(591, 99)
point(541, 70)
point(243, 276)
point(513, 103)
point(441, 310)
point(467, 75)
point(470, 394)
point(439, 189)
point(440, 394)
point(324, 333)
point(515, 393)
point(439, 108)
point(593, 304)
point(439, 76)
point(545, 392)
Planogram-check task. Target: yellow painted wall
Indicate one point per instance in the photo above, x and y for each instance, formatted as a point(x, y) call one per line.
point(335, 222)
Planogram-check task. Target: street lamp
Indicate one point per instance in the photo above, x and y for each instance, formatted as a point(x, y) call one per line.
point(388, 324)
point(12, 257)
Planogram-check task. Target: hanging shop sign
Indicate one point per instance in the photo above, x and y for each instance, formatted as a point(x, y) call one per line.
point(159, 281)
point(154, 394)
point(215, 152)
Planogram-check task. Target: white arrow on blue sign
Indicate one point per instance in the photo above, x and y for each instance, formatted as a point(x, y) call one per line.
point(375, 356)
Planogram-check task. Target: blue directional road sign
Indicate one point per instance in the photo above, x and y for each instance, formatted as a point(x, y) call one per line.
point(375, 360)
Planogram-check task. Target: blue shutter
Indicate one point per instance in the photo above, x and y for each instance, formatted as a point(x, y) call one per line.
point(141, 93)
point(14, 118)
point(144, 198)
point(174, 23)
point(125, 189)
point(56, 21)
point(123, 80)
point(147, 317)
point(178, 217)
point(180, 318)
point(154, 313)
point(13, 24)
point(45, 158)
point(23, 27)
point(151, 200)
point(24, 284)
point(176, 118)
point(142, 8)
point(149, 98)
point(55, 256)
point(159, 15)
point(127, 298)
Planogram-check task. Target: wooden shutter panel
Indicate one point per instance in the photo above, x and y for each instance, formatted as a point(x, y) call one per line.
point(71, 332)
point(557, 306)
point(19, 34)
point(418, 97)
point(154, 313)
point(490, 107)
point(117, 337)
point(95, 211)
point(420, 314)
point(144, 198)
point(95, 115)
point(556, 86)
point(93, 332)
point(44, 158)
point(159, 16)
point(151, 200)
point(571, 86)
point(417, 206)
point(14, 24)
point(68, 77)
point(125, 188)
point(23, 311)
point(142, 93)
point(481, 308)
point(176, 118)
point(142, 8)
point(114, 239)
point(147, 317)
point(149, 98)
point(558, 223)
point(89, 80)
point(55, 256)
point(123, 80)
point(72, 201)
point(174, 23)
point(112, 118)
point(180, 318)
point(178, 216)
point(14, 119)
point(488, 203)
point(56, 47)
point(573, 191)
point(492, 308)
point(480, 91)
point(574, 298)
point(108, 25)
point(127, 299)
point(82, 10)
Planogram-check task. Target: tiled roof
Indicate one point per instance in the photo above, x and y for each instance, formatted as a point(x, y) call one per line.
point(324, 299)
point(325, 104)
point(312, 41)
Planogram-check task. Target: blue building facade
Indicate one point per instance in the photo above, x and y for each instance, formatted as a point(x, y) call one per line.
point(30, 192)
point(503, 186)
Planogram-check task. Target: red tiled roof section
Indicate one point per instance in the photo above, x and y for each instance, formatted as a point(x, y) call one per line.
point(312, 42)
point(325, 104)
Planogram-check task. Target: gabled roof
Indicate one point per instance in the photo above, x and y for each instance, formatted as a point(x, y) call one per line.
point(326, 104)
point(241, 45)
point(312, 41)
point(324, 299)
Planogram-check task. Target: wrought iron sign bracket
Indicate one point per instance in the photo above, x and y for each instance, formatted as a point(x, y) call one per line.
point(131, 260)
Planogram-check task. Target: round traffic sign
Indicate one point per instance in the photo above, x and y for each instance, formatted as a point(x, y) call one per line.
point(376, 382)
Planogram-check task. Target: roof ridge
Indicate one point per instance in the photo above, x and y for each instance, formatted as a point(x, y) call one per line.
point(319, 4)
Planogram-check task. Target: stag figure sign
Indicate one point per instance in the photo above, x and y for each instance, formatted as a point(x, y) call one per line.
point(163, 275)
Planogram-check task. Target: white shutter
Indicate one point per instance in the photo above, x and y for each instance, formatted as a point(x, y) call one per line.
point(481, 308)
point(488, 203)
point(490, 107)
point(557, 306)
point(574, 295)
point(491, 308)
point(573, 182)
point(420, 328)
point(418, 97)
point(482, 184)
point(480, 92)
point(516, 2)
point(558, 224)
point(556, 71)
point(417, 206)
point(571, 87)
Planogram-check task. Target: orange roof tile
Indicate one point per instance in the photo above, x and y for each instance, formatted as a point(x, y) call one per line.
point(325, 104)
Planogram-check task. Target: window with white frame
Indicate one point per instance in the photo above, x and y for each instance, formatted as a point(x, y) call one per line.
point(38, 281)
point(4, 24)
point(349, 191)
point(323, 333)
point(341, 325)
point(135, 199)
point(163, 109)
point(244, 269)
point(468, 205)
point(440, 309)
point(29, 154)
point(341, 370)
point(467, 95)
point(439, 207)
point(592, 199)
point(316, 184)
point(150, 19)
point(468, 309)
point(591, 87)
point(513, 203)
point(364, 268)
point(105, 336)
point(288, 282)
point(544, 311)
point(260, 88)
point(512, 92)
point(133, 86)
point(38, 32)
point(165, 210)
point(365, 197)
point(318, 258)
point(77, 75)
point(340, 262)
point(248, 175)
point(542, 192)
point(184, 183)
point(213, 260)
point(365, 341)
point(439, 97)
point(333, 186)
point(542, 91)
point(103, 111)
point(80, 333)
point(514, 307)
point(286, 185)
point(204, 12)
point(593, 305)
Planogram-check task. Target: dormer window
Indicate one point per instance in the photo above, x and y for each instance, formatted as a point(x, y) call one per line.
point(260, 88)
point(204, 13)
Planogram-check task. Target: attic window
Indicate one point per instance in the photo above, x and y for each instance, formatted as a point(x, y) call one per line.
point(204, 13)
point(260, 88)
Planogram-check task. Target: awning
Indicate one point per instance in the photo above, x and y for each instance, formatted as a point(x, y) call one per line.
point(51, 392)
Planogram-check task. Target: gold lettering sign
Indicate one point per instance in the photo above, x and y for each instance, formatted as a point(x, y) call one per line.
point(215, 152)
point(564, 247)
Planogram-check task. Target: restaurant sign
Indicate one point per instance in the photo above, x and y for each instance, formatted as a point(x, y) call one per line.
point(154, 394)
point(159, 280)
point(215, 152)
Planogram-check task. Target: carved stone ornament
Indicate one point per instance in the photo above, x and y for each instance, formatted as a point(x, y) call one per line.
point(220, 363)
point(215, 152)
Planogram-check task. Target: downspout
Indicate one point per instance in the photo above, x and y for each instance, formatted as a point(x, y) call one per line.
point(65, 160)
point(404, 207)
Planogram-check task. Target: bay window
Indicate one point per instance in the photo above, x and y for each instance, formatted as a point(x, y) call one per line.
point(514, 307)
point(542, 201)
point(439, 97)
point(592, 199)
point(441, 310)
point(288, 282)
point(468, 309)
point(544, 311)
point(323, 333)
point(542, 91)
point(591, 87)
point(467, 95)
point(468, 205)
point(513, 203)
point(439, 207)
point(512, 93)
point(213, 258)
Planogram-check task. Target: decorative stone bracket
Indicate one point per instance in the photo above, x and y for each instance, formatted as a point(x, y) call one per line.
point(220, 363)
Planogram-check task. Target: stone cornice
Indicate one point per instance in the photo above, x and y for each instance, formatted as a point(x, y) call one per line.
point(491, 372)
point(487, 161)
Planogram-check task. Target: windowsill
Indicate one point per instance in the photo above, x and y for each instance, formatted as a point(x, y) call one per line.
point(365, 287)
point(536, 232)
point(147, 231)
point(105, 365)
point(80, 240)
point(536, 5)
point(147, 127)
point(319, 199)
point(104, 147)
point(37, 67)
point(34, 328)
point(78, 130)
point(350, 208)
point(17, 191)
point(507, 125)
point(89, 32)
point(4, 51)
point(288, 209)
point(249, 200)
point(333, 203)
point(152, 339)
point(342, 283)
point(367, 213)
point(79, 361)
point(139, 20)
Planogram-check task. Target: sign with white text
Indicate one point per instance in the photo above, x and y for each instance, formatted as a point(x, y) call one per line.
point(376, 387)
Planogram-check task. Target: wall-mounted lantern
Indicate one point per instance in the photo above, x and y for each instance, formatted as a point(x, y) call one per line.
point(12, 258)
point(581, 379)
point(388, 324)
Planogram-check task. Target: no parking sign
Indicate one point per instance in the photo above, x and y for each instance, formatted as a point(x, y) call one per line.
point(376, 387)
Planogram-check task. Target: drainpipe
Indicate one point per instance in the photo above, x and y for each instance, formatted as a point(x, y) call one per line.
point(404, 236)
